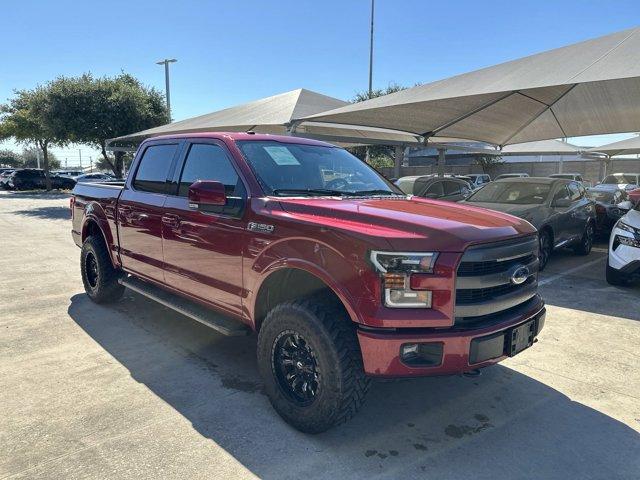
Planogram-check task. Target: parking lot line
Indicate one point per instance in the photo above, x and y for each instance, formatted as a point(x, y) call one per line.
point(555, 277)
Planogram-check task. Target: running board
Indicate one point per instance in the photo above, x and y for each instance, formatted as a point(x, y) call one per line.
point(218, 322)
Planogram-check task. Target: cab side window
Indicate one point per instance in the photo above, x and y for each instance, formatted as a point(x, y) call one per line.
point(151, 175)
point(209, 162)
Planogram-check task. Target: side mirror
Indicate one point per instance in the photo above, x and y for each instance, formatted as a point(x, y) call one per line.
point(562, 203)
point(207, 192)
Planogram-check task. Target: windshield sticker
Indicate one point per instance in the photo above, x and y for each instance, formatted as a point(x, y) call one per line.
point(282, 156)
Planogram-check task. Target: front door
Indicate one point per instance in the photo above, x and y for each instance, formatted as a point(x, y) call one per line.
point(203, 245)
point(140, 212)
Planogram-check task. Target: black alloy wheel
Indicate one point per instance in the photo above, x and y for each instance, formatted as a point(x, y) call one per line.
point(295, 367)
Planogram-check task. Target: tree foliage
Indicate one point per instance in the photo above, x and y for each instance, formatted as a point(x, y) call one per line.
point(28, 119)
point(92, 110)
point(9, 158)
point(488, 162)
point(29, 158)
point(378, 155)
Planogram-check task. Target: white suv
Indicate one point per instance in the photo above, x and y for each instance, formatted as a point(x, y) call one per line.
point(624, 249)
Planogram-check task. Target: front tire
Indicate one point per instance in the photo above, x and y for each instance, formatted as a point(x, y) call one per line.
point(99, 277)
point(614, 277)
point(586, 241)
point(310, 361)
point(545, 249)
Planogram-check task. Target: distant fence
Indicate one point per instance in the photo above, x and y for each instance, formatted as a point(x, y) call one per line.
point(591, 170)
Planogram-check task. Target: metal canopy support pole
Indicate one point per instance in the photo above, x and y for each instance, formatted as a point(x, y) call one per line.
point(397, 161)
point(441, 161)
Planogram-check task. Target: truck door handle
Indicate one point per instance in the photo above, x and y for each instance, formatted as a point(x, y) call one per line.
point(171, 220)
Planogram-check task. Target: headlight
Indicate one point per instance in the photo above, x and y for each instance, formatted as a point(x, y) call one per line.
point(626, 227)
point(403, 262)
point(395, 269)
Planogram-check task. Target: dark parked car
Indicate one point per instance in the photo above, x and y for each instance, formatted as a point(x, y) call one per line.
point(26, 179)
point(62, 182)
point(608, 208)
point(33, 178)
point(560, 209)
point(438, 188)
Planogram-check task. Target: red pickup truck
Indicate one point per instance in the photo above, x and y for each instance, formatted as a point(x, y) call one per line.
point(342, 275)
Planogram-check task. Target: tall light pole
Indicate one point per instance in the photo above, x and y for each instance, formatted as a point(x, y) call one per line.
point(166, 63)
point(371, 52)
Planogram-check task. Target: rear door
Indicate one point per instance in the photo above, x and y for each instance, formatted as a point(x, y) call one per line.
point(203, 246)
point(141, 208)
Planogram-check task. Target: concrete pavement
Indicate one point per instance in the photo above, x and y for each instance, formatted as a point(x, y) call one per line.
point(134, 390)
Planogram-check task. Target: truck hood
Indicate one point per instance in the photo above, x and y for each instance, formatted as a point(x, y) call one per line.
point(410, 223)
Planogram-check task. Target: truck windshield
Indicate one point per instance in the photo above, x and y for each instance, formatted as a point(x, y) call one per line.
point(518, 193)
point(291, 169)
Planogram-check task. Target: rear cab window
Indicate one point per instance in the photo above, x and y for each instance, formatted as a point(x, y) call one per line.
point(153, 168)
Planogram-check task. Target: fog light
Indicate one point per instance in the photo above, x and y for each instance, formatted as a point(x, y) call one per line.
point(421, 354)
point(405, 298)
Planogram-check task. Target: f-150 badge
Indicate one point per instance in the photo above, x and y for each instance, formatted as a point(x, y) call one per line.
point(260, 227)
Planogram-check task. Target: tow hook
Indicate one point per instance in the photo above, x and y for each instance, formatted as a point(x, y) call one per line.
point(472, 373)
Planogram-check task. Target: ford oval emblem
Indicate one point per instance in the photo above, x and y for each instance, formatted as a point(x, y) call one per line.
point(520, 275)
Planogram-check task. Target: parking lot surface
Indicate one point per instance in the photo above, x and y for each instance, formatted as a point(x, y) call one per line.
point(134, 390)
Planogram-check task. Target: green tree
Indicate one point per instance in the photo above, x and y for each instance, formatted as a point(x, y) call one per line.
point(488, 162)
point(29, 158)
point(9, 158)
point(92, 110)
point(377, 155)
point(29, 120)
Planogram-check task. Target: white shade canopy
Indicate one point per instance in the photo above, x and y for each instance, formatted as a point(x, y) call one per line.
point(542, 147)
point(588, 88)
point(278, 114)
point(629, 146)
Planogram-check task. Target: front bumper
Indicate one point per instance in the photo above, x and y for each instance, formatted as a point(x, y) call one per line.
point(381, 347)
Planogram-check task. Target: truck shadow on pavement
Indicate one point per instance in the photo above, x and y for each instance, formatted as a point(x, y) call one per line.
point(53, 213)
point(502, 422)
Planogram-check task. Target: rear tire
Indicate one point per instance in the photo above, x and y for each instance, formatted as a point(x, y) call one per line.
point(99, 277)
point(586, 241)
point(311, 364)
point(614, 277)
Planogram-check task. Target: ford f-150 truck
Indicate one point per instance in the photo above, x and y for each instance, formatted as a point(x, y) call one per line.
point(342, 275)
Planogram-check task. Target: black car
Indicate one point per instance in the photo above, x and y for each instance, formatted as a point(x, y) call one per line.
point(34, 179)
point(63, 183)
point(608, 208)
point(26, 179)
point(560, 209)
point(440, 188)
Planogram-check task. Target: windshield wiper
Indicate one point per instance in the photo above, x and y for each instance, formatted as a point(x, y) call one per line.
point(377, 192)
point(310, 191)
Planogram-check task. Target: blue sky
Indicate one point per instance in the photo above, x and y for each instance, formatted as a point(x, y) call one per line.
point(232, 52)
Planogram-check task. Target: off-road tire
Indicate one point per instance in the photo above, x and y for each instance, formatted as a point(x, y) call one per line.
point(614, 277)
point(331, 335)
point(99, 277)
point(586, 241)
